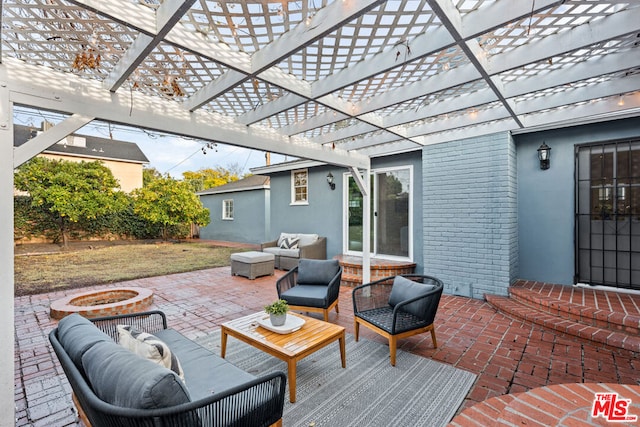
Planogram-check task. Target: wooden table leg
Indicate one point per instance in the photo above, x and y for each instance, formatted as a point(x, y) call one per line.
point(223, 342)
point(343, 353)
point(292, 380)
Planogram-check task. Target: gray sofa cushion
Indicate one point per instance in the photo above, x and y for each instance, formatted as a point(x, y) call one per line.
point(125, 379)
point(317, 271)
point(77, 335)
point(205, 373)
point(404, 289)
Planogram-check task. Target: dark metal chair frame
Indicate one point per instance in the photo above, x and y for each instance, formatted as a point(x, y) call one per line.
point(371, 309)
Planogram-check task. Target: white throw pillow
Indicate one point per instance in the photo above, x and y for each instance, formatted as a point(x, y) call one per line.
point(150, 347)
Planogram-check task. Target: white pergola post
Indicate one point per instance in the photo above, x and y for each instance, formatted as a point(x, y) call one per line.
point(7, 397)
point(364, 185)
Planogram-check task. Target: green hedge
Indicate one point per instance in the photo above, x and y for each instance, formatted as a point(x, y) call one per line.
point(32, 223)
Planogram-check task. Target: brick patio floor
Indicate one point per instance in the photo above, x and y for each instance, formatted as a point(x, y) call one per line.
point(509, 356)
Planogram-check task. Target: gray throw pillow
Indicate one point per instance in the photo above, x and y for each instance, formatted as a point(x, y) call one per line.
point(404, 289)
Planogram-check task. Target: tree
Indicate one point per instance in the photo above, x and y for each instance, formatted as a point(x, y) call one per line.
point(70, 192)
point(166, 201)
point(150, 174)
point(209, 178)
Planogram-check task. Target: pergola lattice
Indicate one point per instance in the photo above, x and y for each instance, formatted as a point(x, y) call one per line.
point(335, 81)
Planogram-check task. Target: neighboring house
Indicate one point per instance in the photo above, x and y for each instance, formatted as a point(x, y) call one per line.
point(124, 159)
point(477, 213)
point(239, 210)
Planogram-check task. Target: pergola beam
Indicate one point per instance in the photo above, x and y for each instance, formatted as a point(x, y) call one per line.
point(452, 20)
point(41, 142)
point(42, 88)
point(261, 63)
point(449, 130)
point(167, 15)
point(518, 57)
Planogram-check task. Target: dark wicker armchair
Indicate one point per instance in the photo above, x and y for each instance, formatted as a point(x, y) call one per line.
point(398, 307)
point(314, 285)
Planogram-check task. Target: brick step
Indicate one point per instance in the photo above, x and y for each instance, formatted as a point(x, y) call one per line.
point(618, 339)
point(594, 316)
point(379, 268)
point(351, 280)
point(560, 404)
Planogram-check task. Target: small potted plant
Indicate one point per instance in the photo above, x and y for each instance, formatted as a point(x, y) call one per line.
point(277, 312)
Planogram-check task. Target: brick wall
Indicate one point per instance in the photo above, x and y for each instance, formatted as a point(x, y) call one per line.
point(470, 214)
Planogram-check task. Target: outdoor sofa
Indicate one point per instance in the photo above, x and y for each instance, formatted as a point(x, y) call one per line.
point(112, 385)
point(288, 248)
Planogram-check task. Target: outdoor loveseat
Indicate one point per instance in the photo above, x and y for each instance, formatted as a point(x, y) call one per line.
point(112, 385)
point(290, 247)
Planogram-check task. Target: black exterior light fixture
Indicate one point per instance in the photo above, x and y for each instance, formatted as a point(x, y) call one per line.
point(544, 155)
point(332, 184)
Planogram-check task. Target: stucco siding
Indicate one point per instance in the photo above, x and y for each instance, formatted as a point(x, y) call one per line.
point(546, 209)
point(250, 211)
point(129, 175)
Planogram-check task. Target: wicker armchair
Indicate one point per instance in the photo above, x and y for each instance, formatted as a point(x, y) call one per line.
point(397, 307)
point(314, 285)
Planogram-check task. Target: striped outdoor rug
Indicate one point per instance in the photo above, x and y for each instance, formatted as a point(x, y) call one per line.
point(369, 392)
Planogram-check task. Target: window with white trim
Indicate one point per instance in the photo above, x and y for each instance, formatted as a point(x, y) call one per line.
point(300, 187)
point(227, 209)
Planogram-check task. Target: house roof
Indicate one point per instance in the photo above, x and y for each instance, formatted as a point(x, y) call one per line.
point(253, 182)
point(95, 148)
point(332, 81)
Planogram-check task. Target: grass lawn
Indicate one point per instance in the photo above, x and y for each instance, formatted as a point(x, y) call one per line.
point(95, 265)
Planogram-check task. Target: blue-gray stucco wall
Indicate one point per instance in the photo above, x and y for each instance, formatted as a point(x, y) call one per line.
point(546, 198)
point(470, 214)
point(250, 222)
point(323, 215)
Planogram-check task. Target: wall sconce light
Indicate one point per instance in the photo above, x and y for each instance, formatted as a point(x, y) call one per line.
point(332, 184)
point(544, 155)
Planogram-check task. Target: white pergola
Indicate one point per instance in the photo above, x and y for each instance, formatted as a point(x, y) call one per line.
point(337, 81)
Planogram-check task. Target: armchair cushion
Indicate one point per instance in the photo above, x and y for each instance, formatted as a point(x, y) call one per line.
point(307, 296)
point(293, 253)
point(317, 272)
point(404, 289)
point(109, 369)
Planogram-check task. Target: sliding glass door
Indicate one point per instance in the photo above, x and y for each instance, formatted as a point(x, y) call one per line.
point(391, 219)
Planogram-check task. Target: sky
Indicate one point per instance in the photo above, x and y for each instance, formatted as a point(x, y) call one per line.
point(167, 153)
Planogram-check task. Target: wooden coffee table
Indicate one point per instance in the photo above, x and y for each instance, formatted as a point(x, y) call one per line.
point(291, 347)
